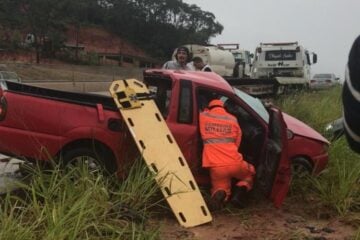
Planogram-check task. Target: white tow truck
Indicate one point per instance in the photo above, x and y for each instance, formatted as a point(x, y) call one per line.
point(222, 62)
point(234, 65)
point(275, 67)
point(288, 63)
point(242, 57)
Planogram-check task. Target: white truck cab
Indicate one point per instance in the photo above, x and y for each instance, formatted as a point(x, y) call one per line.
point(288, 62)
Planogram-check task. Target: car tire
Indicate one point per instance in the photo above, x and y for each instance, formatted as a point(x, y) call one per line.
point(301, 167)
point(95, 161)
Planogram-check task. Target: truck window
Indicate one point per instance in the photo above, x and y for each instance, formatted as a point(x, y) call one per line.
point(161, 88)
point(185, 114)
point(308, 58)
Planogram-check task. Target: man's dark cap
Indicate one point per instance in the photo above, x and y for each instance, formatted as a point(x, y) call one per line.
point(183, 48)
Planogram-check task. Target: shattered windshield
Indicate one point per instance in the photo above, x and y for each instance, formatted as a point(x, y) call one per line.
point(254, 103)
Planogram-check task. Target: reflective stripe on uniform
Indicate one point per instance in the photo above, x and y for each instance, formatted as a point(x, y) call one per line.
point(219, 140)
point(219, 116)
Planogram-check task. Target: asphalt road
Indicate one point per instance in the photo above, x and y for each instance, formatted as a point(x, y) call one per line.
point(8, 173)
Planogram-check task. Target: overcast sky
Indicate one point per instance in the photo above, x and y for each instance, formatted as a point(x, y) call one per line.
point(327, 27)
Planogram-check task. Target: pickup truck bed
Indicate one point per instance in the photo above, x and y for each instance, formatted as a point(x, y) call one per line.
point(88, 99)
point(43, 124)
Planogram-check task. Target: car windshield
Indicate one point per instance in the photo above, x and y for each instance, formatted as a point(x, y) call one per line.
point(322, 76)
point(254, 103)
point(238, 56)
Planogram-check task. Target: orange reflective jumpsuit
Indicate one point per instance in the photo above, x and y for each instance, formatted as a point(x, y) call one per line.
point(221, 136)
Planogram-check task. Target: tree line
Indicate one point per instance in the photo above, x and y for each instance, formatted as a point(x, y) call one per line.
point(157, 26)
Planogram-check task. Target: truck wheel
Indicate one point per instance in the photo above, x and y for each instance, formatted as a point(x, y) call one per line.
point(94, 161)
point(301, 167)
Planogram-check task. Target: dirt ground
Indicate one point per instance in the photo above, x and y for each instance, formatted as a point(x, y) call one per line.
point(260, 220)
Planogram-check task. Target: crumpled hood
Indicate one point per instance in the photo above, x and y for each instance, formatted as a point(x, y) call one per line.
point(300, 128)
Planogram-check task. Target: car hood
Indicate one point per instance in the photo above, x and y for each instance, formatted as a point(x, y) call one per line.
point(300, 128)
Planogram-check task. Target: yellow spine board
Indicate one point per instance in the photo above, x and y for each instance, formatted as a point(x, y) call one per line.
point(160, 152)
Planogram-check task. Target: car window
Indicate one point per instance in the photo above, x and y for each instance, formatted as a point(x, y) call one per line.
point(204, 96)
point(254, 103)
point(185, 102)
point(322, 76)
point(161, 88)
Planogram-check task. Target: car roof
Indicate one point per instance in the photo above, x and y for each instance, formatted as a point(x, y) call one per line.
point(322, 75)
point(209, 79)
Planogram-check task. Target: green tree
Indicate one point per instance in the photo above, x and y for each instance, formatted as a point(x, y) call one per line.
point(45, 19)
point(161, 24)
point(157, 26)
point(10, 19)
point(10, 16)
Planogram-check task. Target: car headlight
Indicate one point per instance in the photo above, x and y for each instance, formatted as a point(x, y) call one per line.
point(289, 134)
point(329, 127)
point(329, 130)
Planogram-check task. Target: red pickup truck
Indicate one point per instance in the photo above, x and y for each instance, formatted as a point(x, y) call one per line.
point(40, 124)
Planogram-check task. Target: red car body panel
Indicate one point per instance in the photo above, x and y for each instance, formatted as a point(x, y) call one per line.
point(307, 143)
point(283, 175)
point(39, 127)
point(301, 129)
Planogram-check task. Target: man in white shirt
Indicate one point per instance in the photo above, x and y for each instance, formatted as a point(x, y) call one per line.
point(182, 60)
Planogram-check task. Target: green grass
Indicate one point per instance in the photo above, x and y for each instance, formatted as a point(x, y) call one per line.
point(75, 204)
point(338, 187)
point(315, 108)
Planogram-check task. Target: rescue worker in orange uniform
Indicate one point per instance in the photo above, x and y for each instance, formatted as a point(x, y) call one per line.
point(221, 135)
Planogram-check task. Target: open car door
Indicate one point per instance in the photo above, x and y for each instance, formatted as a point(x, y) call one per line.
point(3, 103)
point(274, 173)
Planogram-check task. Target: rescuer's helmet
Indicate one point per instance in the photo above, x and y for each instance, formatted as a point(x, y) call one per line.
point(216, 103)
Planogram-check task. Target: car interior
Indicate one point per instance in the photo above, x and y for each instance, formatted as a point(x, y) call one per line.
point(252, 131)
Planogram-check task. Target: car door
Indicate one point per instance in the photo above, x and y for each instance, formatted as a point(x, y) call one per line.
point(183, 124)
point(274, 172)
point(3, 103)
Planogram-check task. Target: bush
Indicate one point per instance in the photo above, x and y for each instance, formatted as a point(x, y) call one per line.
point(76, 204)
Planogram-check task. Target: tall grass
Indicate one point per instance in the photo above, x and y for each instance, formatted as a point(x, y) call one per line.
point(314, 108)
point(76, 204)
point(338, 187)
